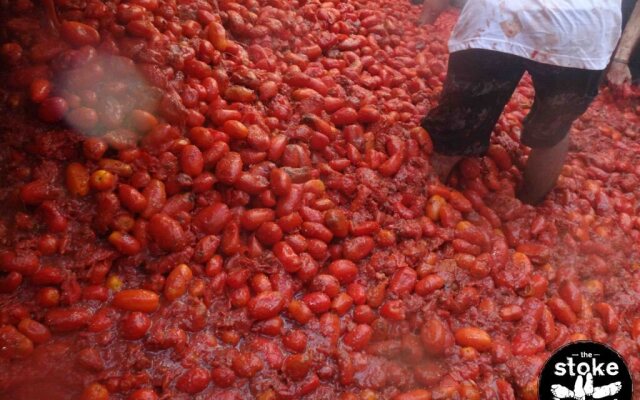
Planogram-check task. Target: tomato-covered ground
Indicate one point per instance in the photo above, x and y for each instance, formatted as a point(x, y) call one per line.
point(239, 204)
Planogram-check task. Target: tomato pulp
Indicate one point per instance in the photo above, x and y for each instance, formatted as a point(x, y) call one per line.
point(238, 203)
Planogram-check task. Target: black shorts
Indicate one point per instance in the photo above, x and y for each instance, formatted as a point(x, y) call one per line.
point(479, 84)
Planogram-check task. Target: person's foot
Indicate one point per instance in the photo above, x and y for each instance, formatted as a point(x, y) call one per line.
point(443, 165)
point(532, 199)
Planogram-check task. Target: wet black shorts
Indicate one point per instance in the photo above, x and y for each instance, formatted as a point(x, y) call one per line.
point(479, 84)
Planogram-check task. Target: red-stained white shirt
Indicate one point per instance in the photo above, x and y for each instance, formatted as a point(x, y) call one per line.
point(567, 33)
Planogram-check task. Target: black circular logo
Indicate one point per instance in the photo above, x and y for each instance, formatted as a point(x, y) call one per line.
point(585, 370)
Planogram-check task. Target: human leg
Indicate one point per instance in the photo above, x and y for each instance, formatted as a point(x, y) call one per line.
point(479, 83)
point(562, 95)
point(542, 170)
point(443, 165)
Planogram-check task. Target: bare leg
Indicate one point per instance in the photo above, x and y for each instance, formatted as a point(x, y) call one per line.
point(443, 165)
point(431, 9)
point(52, 14)
point(542, 171)
point(425, 15)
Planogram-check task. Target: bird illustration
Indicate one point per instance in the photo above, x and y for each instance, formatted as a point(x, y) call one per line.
point(583, 389)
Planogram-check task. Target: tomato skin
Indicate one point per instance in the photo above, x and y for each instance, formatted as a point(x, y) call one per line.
point(562, 311)
point(143, 394)
point(125, 243)
point(252, 219)
point(131, 198)
point(285, 254)
point(213, 218)
point(191, 160)
point(136, 300)
point(473, 337)
point(53, 109)
point(95, 391)
point(266, 305)
point(193, 381)
point(35, 331)
point(229, 168)
point(166, 232)
point(177, 282)
point(280, 182)
point(67, 320)
point(358, 248)
point(436, 337)
point(217, 36)
point(156, 196)
point(359, 337)
point(403, 281)
point(79, 34)
point(223, 192)
point(235, 129)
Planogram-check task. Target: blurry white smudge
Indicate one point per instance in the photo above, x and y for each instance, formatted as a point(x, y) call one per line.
point(102, 93)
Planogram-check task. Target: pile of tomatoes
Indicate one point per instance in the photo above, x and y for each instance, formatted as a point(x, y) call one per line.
point(234, 199)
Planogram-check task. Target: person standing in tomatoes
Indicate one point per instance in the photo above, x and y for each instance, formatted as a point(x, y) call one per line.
point(565, 45)
point(619, 72)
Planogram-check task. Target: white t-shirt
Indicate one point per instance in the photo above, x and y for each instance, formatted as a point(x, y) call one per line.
point(567, 33)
